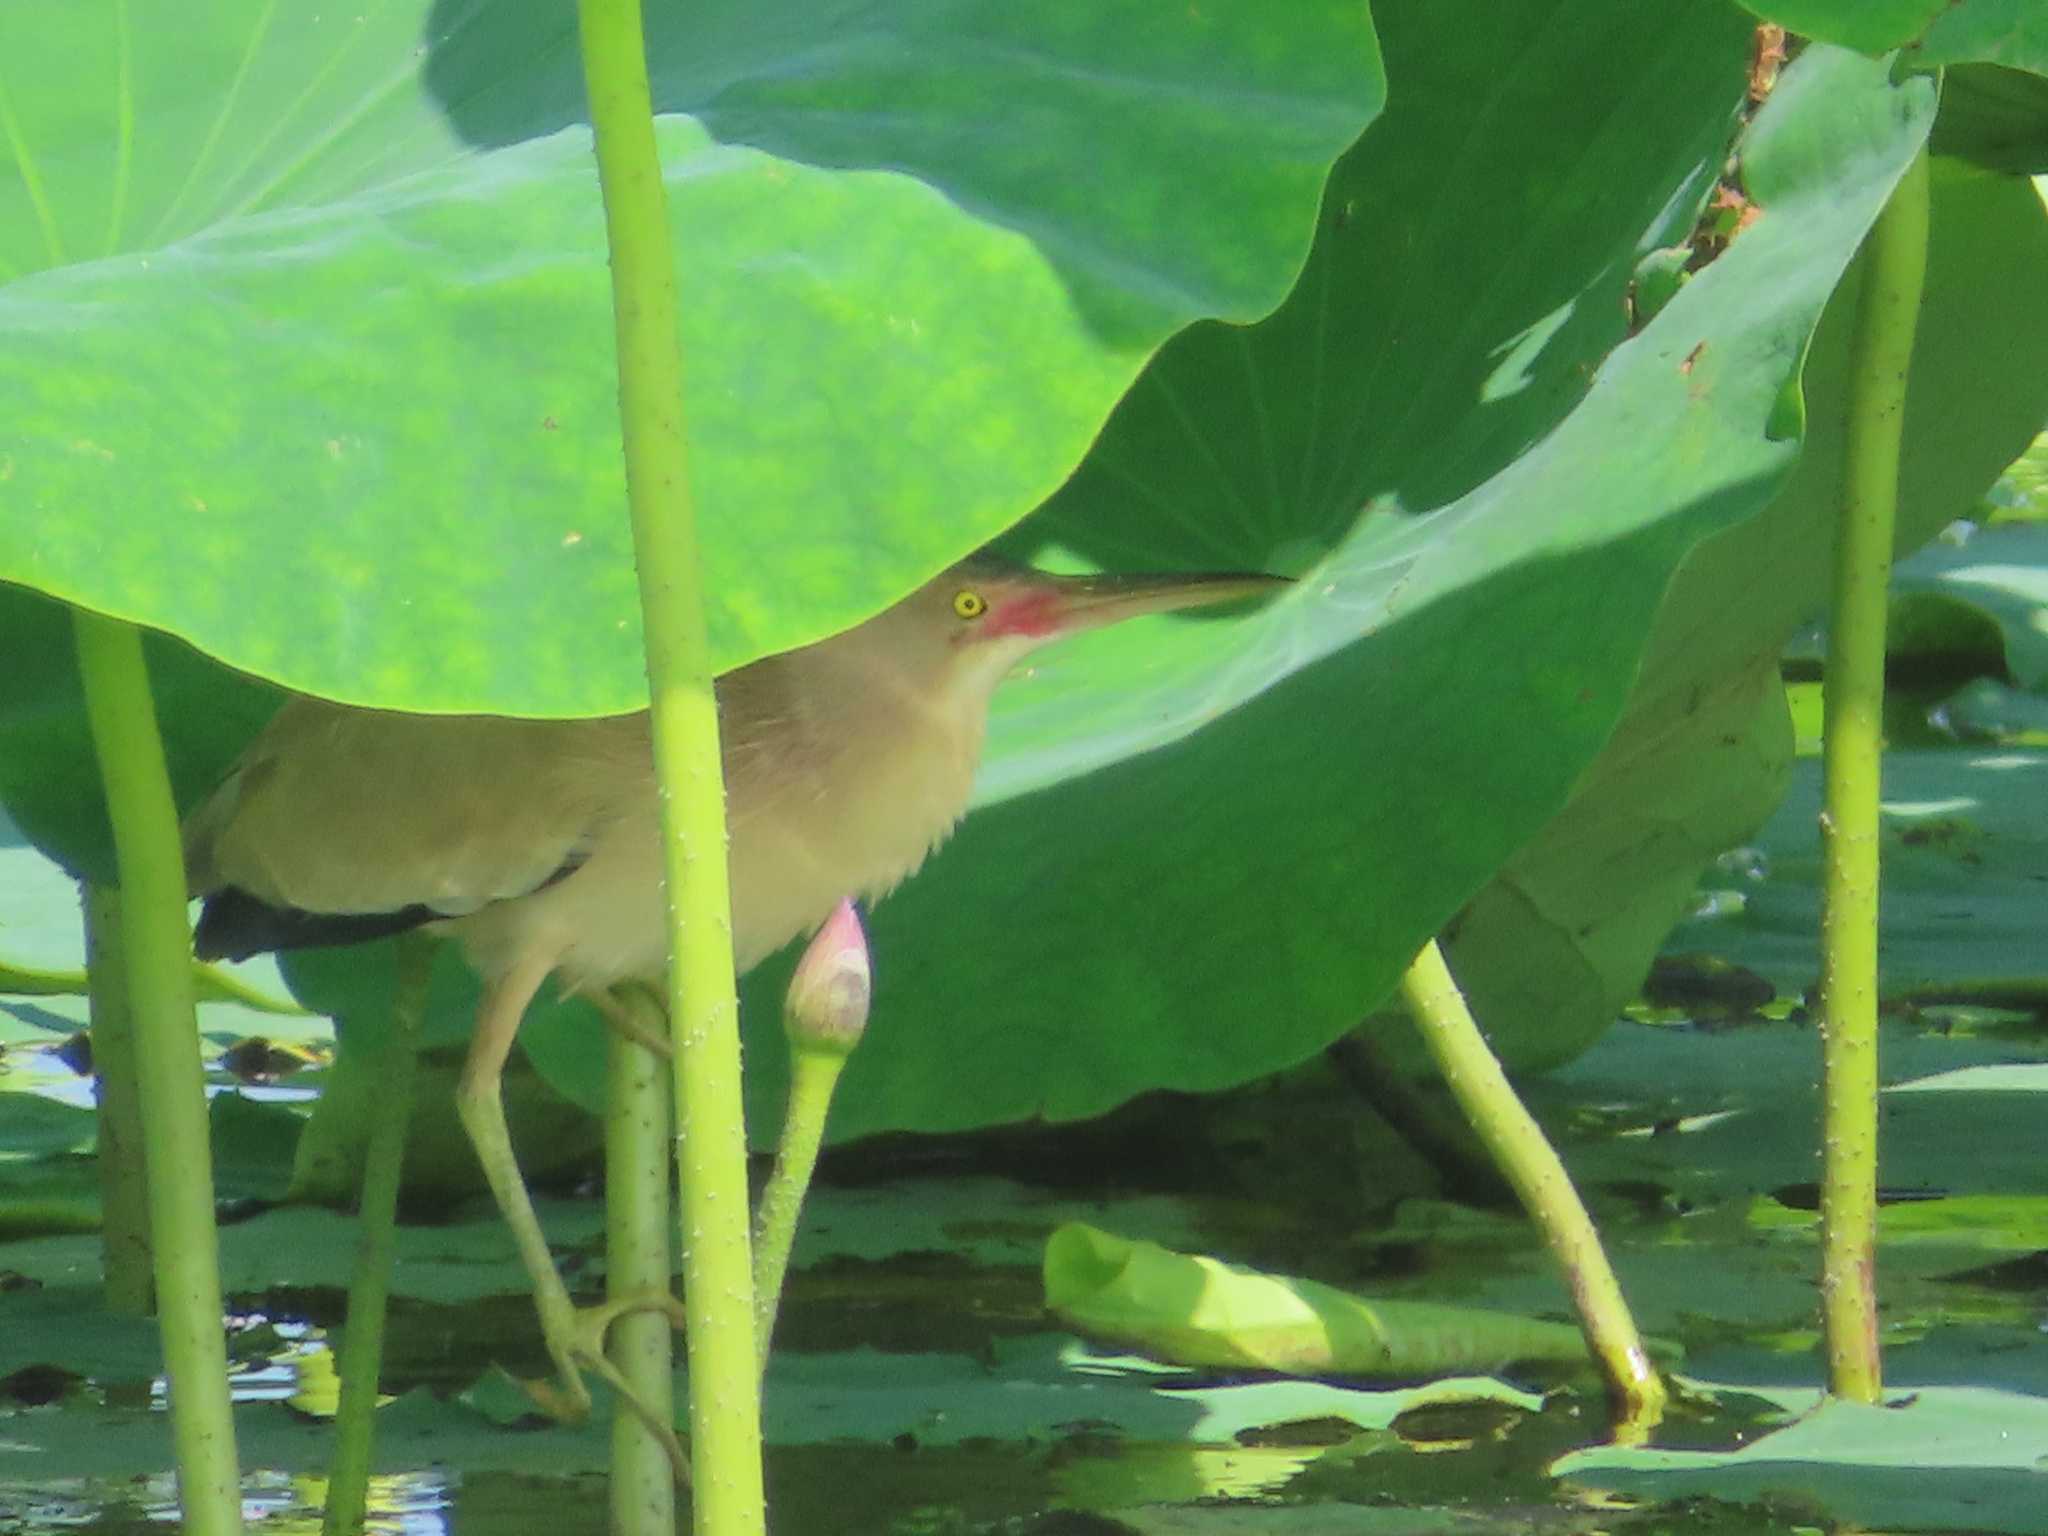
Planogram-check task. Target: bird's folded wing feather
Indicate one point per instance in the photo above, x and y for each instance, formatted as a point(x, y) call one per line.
point(334, 809)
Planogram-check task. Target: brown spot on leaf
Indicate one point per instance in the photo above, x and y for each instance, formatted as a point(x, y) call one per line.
point(1766, 58)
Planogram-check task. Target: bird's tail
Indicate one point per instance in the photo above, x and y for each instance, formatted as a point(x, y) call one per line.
point(233, 925)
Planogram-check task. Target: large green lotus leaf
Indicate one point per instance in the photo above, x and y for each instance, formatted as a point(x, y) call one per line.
point(1993, 112)
point(1976, 398)
point(1994, 108)
point(308, 343)
point(1466, 283)
point(49, 777)
point(1443, 353)
point(1994, 117)
point(1872, 25)
point(1430, 694)
point(1564, 934)
point(1489, 225)
point(1558, 942)
point(2012, 33)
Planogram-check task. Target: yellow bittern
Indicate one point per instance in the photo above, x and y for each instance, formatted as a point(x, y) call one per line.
point(536, 842)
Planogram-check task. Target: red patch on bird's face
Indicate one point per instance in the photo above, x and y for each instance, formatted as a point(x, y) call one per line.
point(1036, 614)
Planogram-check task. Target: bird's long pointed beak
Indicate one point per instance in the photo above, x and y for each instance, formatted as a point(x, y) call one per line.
point(1090, 602)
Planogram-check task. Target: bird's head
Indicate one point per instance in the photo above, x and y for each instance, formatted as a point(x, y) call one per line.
point(976, 620)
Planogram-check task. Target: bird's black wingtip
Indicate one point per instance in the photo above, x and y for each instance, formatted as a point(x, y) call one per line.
point(233, 925)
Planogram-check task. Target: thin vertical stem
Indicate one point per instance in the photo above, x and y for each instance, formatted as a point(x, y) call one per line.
point(637, 1249)
point(813, 1075)
point(157, 946)
point(1853, 711)
point(361, 1356)
point(824, 1014)
point(725, 1398)
point(117, 1093)
point(1474, 1076)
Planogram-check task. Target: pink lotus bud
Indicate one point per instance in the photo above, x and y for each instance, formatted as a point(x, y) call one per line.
point(827, 1005)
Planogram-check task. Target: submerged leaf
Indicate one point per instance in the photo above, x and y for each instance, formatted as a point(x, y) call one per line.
point(1931, 1459)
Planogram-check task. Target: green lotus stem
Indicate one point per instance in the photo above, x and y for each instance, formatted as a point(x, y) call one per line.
point(824, 1013)
point(156, 946)
point(637, 1249)
point(117, 1090)
point(813, 1076)
point(210, 984)
point(1852, 711)
point(1532, 1166)
point(711, 1149)
point(34, 981)
point(361, 1354)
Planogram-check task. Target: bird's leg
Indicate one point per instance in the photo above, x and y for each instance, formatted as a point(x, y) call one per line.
point(479, 1102)
point(573, 1339)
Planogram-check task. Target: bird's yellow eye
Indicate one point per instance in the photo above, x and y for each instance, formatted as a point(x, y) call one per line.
point(969, 604)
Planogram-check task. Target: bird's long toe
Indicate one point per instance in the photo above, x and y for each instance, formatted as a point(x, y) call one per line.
point(562, 1397)
point(594, 1323)
point(586, 1345)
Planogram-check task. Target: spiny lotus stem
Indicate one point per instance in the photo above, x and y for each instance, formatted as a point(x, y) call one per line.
point(826, 1013)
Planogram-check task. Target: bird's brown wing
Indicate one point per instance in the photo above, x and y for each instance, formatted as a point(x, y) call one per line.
point(341, 810)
